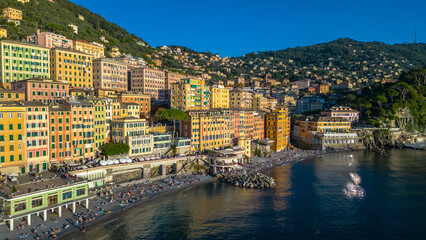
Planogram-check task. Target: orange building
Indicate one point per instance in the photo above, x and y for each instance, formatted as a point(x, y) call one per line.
point(60, 133)
point(11, 95)
point(144, 101)
point(278, 128)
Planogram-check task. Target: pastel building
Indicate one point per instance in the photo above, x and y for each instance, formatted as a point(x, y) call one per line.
point(20, 61)
point(3, 33)
point(344, 112)
point(219, 97)
point(12, 138)
point(97, 50)
point(190, 94)
point(143, 100)
point(37, 135)
point(72, 66)
point(60, 133)
point(109, 74)
point(239, 98)
point(149, 81)
point(49, 40)
point(11, 95)
point(45, 91)
point(99, 106)
point(172, 78)
point(134, 132)
point(12, 15)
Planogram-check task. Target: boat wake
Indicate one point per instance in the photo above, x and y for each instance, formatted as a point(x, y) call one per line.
point(353, 189)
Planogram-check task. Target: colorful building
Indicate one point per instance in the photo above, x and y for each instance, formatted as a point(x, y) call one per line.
point(60, 133)
point(22, 61)
point(278, 128)
point(72, 66)
point(12, 15)
point(172, 78)
point(49, 40)
point(11, 95)
point(37, 135)
point(322, 88)
point(132, 109)
point(190, 94)
point(134, 132)
point(82, 129)
point(259, 125)
point(99, 106)
point(12, 138)
point(238, 98)
point(97, 50)
point(219, 97)
point(149, 81)
point(109, 74)
point(344, 112)
point(3, 33)
point(259, 102)
point(143, 100)
point(208, 129)
point(45, 91)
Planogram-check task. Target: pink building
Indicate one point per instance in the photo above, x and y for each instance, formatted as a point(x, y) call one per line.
point(109, 74)
point(343, 112)
point(44, 91)
point(49, 40)
point(149, 81)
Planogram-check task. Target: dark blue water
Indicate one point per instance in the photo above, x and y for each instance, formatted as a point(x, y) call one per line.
point(307, 203)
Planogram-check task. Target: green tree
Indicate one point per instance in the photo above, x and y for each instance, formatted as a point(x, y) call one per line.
point(392, 93)
point(115, 148)
point(173, 115)
point(380, 99)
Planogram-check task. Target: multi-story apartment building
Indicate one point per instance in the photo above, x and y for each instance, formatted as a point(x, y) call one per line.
point(149, 81)
point(37, 135)
point(23, 61)
point(143, 100)
point(278, 128)
point(99, 106)
point(12, 138)
point(12, 15)
point(109, 74)
point(131, 109)
point(49, 40)
point(130, 61)
point(82, 129)
point(172, 78)
point(134, 132)
point(97, 50)
point(190, 94)
point(60, 133)
point(3, 33)
point(238, 98)
point(73, 67)
point(259, 125)
point(108, 119)
point(45, 91)
point(259, 102)
point(208, 128)
point(344, 112)
point(11, 95)
point(271, 103)
point(116, 108)
point(219, 97)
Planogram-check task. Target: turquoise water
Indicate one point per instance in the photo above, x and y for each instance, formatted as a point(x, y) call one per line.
point(307, 203)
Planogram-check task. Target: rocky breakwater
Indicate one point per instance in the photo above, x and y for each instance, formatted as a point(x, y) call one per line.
point(252, 180)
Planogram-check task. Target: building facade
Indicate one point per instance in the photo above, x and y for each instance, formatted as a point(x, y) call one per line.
point(219, 97)
point(172, 78)
point(278, 128)
point(3, 33)
point(72, 66)
point(22, 61)
point(109, 74)
point(344, 112)
point(45, 91)
point(94, 49)
point(60, 133)
point(190, 94)
point(143, 100)
point(12, 15)
point(238, 98)
point(149, 81)
point(11, 95)
point(49, 40)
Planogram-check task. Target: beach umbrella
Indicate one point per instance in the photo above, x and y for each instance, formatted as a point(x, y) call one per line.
point(129, 160)
point(115, 161)
point(141, 159)
point(122, 160)
point(109, 162)
point(103, 163)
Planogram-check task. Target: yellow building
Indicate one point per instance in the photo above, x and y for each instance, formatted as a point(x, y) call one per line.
point(3, 33)
point(219, 97)
point(245, 142)
point(93, 48)
point(208, 128)
point(12, 135)
point(130, 110)
point(190, 94)
point(278, 128)
point(239, 98)
point(323, 124)
point(259, 102)
point(134, 132)
point(72, 66)
point(12, 15)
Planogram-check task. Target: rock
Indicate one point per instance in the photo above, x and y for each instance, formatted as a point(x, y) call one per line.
point(256, 180)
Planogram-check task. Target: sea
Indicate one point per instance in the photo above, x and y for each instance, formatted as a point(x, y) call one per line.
point(308, 202)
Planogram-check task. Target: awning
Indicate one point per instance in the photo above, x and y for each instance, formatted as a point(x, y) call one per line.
point(9, 170)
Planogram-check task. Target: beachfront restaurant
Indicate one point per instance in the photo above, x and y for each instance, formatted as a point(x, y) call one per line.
point(39, 202)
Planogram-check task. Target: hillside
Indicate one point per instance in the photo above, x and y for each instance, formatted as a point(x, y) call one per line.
point(55, 17)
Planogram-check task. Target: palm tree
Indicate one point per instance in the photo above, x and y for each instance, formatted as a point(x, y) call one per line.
point(173, 115)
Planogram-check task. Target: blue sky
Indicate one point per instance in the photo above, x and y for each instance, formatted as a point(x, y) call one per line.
point(236, 27)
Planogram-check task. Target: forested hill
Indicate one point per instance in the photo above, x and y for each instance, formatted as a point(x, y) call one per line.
point(57, 15)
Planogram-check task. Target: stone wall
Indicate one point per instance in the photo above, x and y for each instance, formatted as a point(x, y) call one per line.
point(126, 176)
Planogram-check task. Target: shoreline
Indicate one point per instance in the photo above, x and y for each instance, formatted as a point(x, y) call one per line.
point(112, 210)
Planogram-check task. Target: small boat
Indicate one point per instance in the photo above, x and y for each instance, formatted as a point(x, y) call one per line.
point(355, 178)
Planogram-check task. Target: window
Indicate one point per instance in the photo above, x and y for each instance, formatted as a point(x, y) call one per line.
point(20, 206)
point(37, 202)
point(81, 191)
point(66, 195)
point(52, 200)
